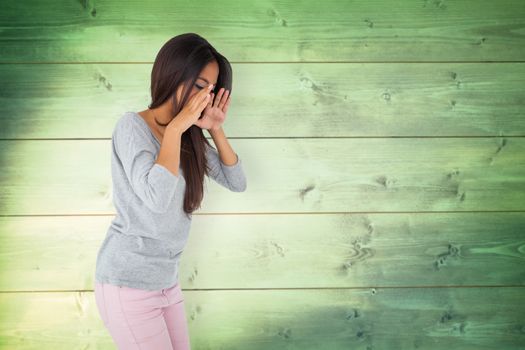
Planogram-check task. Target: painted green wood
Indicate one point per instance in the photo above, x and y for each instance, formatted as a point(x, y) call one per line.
point(372, 318)
point(266, 31)
point(372, 242)
point(49, 253)
point(313, 100)
point(64, 177)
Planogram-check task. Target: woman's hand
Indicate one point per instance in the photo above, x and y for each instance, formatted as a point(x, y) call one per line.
point(214, 113)
point(192, 110)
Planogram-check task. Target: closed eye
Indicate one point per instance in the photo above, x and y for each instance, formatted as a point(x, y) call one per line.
point(199, 87)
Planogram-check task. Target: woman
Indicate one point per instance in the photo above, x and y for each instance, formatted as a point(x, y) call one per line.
point(159, 159)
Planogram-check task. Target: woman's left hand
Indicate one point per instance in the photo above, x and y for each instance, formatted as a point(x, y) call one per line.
point(214, 113)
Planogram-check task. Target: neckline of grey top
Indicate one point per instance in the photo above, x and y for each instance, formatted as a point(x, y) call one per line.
point(144, 123)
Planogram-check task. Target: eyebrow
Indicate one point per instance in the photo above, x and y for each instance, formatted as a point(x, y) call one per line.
point(206, 80)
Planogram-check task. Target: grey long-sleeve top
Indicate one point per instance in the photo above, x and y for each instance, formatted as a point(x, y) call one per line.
point(145, 240)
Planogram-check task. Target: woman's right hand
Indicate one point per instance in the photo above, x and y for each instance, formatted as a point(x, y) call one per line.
point(192, 110)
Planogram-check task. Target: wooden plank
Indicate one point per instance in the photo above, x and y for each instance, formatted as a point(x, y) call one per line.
point(371, 318)
point(49, 253)
point(57, 177)
point(266, 31)
point(337, 242)
point(315, 100)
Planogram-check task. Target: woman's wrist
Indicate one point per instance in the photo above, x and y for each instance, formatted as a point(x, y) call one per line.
point(174, 130)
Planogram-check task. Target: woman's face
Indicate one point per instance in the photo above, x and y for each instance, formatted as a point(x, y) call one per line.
point(208, 75)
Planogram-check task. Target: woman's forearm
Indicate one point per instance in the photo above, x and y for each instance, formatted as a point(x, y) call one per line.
point(226, 153)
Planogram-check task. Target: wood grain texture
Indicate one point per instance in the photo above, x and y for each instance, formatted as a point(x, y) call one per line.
point(371, 318)
point(266, 251)
point(384, 146)
point(279, 100)
point(59, 177)
point(266, 31)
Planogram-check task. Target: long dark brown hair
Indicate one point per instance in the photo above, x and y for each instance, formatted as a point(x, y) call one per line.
point(179, 61)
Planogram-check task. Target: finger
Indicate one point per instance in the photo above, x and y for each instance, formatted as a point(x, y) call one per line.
point(203, 103)
point(199, 105)
point(206, 92)
point(219, 96)
point(201, 95)
point(224, 98)
point(225, 109)
point(211, 99)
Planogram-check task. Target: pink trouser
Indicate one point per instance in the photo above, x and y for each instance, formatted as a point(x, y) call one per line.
point(142, 319)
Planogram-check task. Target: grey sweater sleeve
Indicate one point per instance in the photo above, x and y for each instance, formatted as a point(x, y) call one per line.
point(153, 183)
point(231, 177)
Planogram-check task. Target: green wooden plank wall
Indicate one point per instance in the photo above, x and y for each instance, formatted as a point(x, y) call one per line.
point(384, 146)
